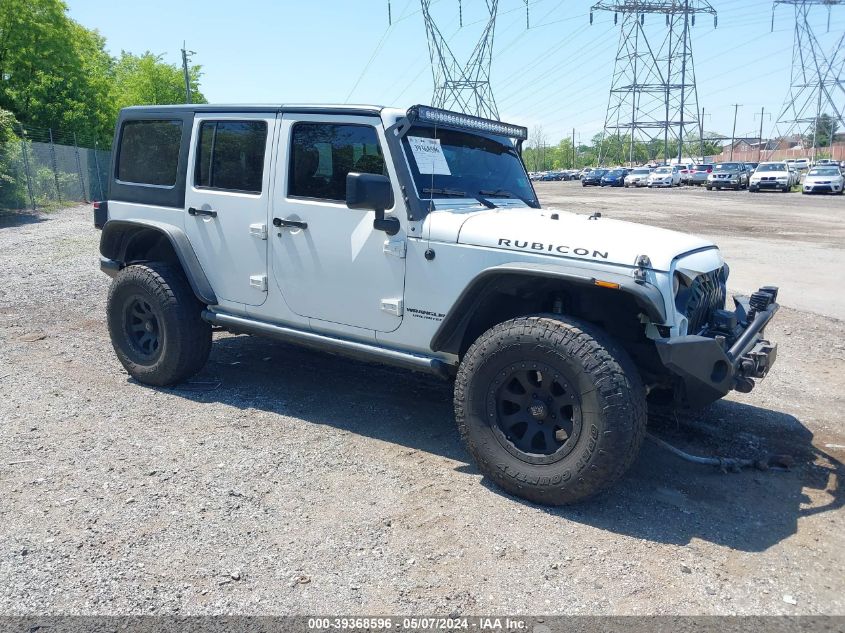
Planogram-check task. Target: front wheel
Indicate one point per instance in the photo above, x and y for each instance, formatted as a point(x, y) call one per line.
point(155, 324)
point(551, 408)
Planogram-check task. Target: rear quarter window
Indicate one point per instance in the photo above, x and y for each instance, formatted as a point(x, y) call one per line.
point(230, 155)
point(149, 152)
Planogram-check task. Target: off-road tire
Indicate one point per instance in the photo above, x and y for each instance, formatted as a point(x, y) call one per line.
point(184, 338)
point(612, 406)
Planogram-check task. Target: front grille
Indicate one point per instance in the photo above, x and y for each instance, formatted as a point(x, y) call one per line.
point(704, 295)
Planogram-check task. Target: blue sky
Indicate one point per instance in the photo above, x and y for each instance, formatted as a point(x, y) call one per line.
point(557, 74)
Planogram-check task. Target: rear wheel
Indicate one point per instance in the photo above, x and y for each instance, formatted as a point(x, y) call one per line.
point(550, 408)
point(155, 324)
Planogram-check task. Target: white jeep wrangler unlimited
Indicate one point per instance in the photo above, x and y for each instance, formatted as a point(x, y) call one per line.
point(415, 238)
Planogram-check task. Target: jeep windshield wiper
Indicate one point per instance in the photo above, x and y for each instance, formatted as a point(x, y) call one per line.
point(503, 193)
point(457, 194)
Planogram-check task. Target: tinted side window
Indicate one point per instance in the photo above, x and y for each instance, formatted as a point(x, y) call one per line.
point(230, 155)
point(322, 154)
point(149, 152)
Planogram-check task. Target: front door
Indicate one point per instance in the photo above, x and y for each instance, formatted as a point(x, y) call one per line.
point(328, 261)
point(226, 200)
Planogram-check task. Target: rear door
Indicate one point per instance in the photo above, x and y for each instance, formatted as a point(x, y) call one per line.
point(227, 199)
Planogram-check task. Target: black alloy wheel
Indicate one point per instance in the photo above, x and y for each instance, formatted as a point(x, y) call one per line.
point(142, 326)
point(537, 412)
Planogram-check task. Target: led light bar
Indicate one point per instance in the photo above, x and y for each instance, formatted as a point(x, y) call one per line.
point(467, 121)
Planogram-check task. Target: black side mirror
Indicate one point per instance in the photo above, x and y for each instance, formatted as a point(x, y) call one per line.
point(372, 192)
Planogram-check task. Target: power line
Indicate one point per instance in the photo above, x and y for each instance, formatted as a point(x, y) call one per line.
point(465, 87)
point(653, 90)
point(816, 77)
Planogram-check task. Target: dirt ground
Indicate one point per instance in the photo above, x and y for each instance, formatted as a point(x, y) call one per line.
point(284, 481)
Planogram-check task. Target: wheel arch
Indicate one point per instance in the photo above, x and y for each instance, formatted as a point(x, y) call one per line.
point(534, 286)
point(131, 241)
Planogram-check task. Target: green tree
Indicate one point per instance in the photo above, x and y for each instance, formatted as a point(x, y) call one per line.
point(12, 191)
point(53, 72)
point(148, 80)
point(823, 131)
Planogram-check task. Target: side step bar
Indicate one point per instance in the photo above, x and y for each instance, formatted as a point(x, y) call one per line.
point(355, 349)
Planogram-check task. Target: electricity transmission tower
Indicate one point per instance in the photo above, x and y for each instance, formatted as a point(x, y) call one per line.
point(653, 96)
point(817, 85)
point(465, 88)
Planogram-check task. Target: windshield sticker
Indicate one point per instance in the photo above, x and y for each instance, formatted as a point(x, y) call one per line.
point(429, 156)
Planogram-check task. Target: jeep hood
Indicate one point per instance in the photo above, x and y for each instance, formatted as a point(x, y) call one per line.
point(571, 236)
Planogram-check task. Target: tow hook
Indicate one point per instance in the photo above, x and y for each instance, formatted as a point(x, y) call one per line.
point(643, 262)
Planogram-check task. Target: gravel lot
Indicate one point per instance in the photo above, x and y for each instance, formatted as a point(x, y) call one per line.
point(285, 481)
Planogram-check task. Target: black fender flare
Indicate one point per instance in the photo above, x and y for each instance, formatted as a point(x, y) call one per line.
point(448, 336)
point(117, 235)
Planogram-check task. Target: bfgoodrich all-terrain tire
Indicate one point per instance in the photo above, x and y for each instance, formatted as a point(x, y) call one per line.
point(550, 408)
point(155, 324)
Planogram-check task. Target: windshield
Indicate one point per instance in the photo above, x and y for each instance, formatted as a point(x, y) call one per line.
point(640, 172)
point(824, 171)
point(773, 167)
point(450, 163)
point(727, 167)
point(616, 172)
point(663, 170)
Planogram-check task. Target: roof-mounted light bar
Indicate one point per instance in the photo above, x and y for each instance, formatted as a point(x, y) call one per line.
point(467, 121)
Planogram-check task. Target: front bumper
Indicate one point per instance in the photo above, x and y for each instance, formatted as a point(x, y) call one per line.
point(822, 188)
point(768, 184)
point(724, 182)
point(729, 356)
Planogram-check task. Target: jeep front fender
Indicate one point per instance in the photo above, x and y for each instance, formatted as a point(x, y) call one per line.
point(118, 236)
point(448, 336)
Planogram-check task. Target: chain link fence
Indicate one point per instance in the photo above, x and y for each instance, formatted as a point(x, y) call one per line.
point(45, 168)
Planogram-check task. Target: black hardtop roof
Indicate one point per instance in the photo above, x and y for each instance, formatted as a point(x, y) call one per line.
point(260, 107)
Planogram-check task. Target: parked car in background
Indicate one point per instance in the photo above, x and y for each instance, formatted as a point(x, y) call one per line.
point(585, 171)
point(751, 167)
point(728, 176)
point(824, 162)
point(637, 177)
point(774, 176)
point(824, 179)
point(614, 178)
point(686, 170)
point(593, 177)
point(802, 164)
point(700, 173)
point(665, 176)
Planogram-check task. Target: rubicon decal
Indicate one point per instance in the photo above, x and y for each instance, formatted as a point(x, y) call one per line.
point(553, 248)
